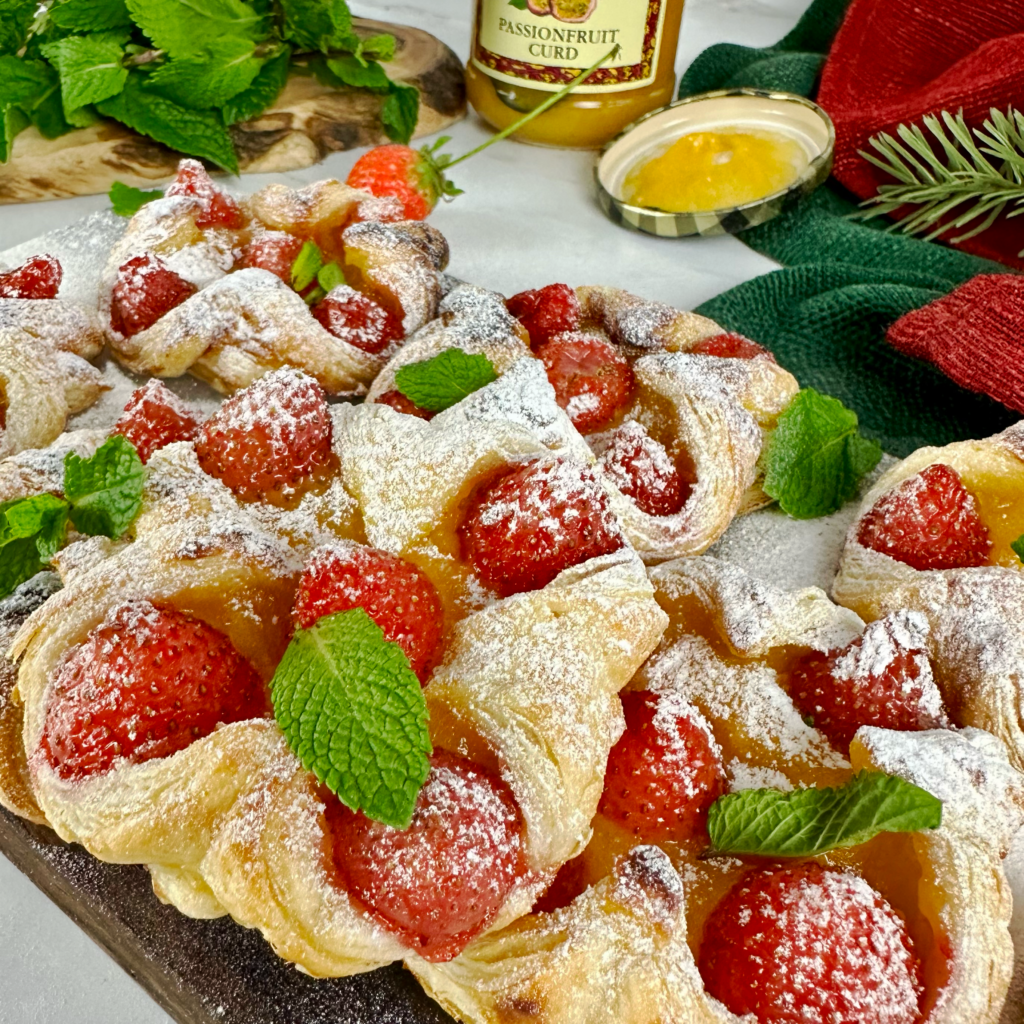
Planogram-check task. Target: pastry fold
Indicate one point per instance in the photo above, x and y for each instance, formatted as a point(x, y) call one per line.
point(620, 952)
point(624, 950)
point(975, 615)
point(710, 413)
point(45, 376)
point(870, 582)
point(527, 685)
point(239, 326)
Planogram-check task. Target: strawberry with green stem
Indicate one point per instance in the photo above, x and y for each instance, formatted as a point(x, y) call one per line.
point(418, 178)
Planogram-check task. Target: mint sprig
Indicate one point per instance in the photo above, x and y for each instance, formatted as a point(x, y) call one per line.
point(330, 277)
point(196, 132)
point(306, 266)
point(180, 71)
point(102, 496)
point(437, 383)
point(15, 18)
point(127, 201)
point(90, 68)
point(808, 822)
point(31, 532)
point(353, 712)
point(309, 267)
point(1018, 547)
point(815, 457)
point(90, 15)
point(105, 490)
point(208, 79)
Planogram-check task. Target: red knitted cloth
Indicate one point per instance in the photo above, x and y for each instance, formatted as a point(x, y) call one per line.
point(975, 335)
point(895, 60)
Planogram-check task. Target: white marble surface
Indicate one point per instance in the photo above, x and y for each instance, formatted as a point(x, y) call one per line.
point(528, 217)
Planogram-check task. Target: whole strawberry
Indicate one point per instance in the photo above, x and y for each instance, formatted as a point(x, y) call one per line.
point(414, 177)
point(145, 683)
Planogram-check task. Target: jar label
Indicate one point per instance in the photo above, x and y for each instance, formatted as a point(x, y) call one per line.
point(545, 44)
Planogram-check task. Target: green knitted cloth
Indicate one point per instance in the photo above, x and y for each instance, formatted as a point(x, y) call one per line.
point(792, 64)
point(825, 315)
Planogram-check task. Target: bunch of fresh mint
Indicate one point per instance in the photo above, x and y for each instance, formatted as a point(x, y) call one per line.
point(181, 71)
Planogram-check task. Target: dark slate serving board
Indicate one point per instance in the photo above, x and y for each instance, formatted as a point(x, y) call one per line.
point(200, 972)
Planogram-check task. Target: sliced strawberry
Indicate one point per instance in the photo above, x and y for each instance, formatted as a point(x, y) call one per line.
point(440, 882)
point(882, 678)
point(358, 320)
point(393, 592)
point(398, 401)
point(808, 944)
point(592, 381)
point(154, 417)
point(641, 468)
point(731, 346)
point(545, 312)
point(535, 520)
point(275, 251)
point(929, 522)
point(37, 278)
point(144, 684)
point(216, 209)
point(666, 770)
point(145, 289)
point(269, 437)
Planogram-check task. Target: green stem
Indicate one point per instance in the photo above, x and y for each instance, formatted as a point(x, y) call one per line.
point(546, 105)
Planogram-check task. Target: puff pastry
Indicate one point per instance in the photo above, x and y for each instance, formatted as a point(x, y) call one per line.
point(45, 376)
point(709, 413)
point(624, 949)
point(232, 823)
point(975, 613)
point(532, 689)
point(238, 326)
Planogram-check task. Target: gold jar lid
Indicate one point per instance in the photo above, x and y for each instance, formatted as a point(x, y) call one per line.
point(784, 113)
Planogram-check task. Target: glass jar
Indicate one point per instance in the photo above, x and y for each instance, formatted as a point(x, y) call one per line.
point(524, 50)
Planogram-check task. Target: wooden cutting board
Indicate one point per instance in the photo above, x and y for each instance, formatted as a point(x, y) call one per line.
point(308, 122)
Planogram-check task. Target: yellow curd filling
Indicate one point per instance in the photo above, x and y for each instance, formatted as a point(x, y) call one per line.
point(716, 170)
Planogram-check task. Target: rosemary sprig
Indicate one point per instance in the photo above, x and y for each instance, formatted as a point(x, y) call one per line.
point(977, 177)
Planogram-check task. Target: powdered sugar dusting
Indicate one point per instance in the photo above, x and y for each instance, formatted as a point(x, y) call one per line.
point(741, 698)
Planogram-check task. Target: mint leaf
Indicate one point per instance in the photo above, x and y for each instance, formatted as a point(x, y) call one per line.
point(15, 18)
point(359, 74)
point(83, 117)
point(46, 110)
point(380, 47)
point(815, 457)
point(185, 27)
point(265, 89)
point(32, 531)
point(400, 112)
point(306, 266)
point(353, 712)
point(193, 132)
point(808, 822)
point(89, 67)
point(23, 84)
point(1018, 547)
point(330, 277)
point(438, 383)
point(127, 201)
point(105, 490)
point(323, 25)
point(210, 78)
point(90, 15)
